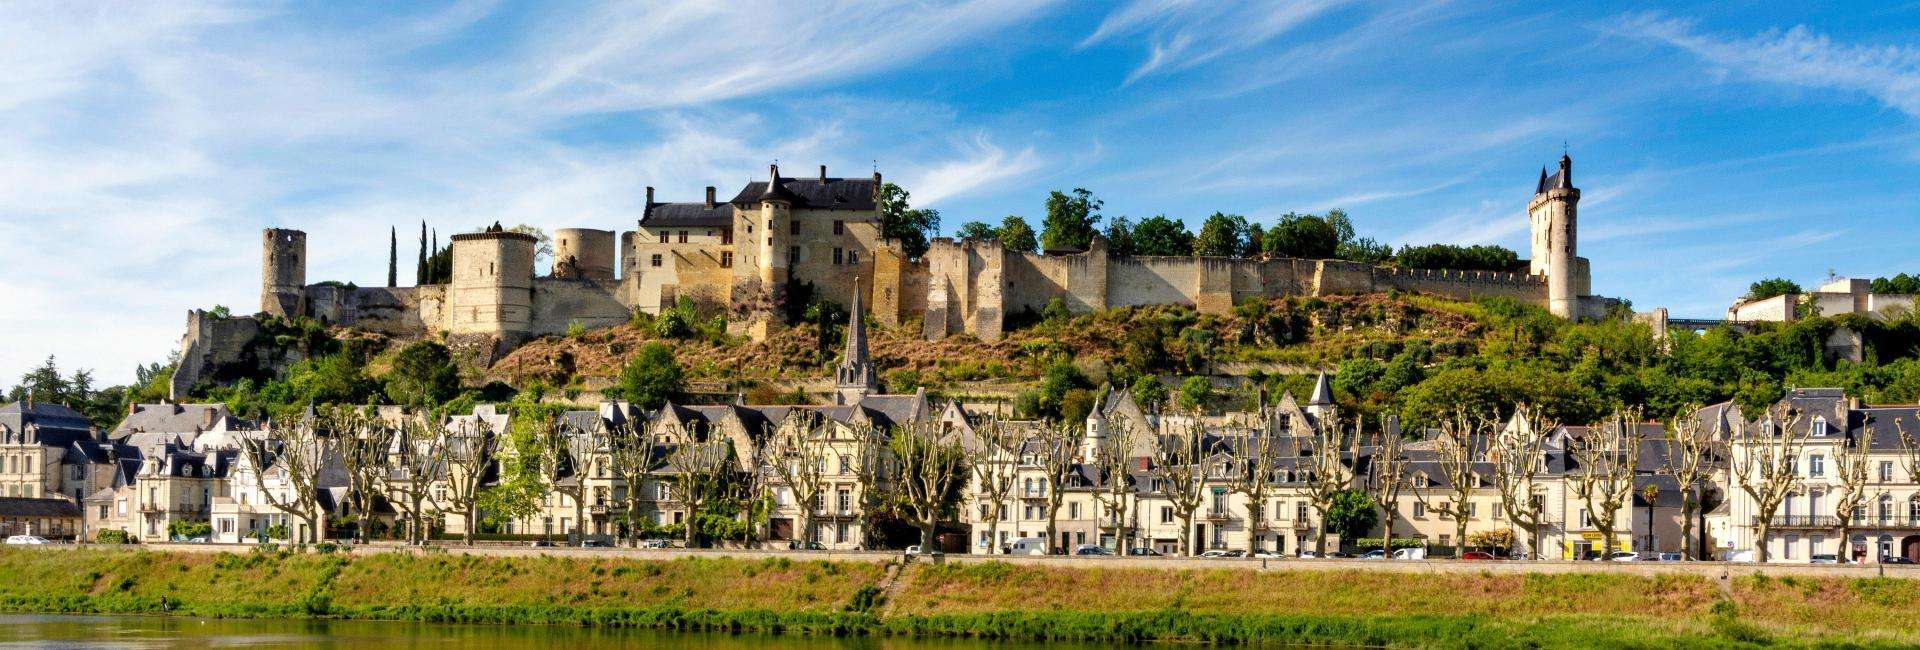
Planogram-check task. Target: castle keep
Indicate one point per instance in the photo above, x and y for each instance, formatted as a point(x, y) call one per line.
point(825, 232)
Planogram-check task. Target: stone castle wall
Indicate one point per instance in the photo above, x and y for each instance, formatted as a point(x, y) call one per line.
point(210, 343)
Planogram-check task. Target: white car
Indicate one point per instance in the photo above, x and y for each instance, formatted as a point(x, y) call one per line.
point(1270, 555)
point(1624, 556)
point(32, 540)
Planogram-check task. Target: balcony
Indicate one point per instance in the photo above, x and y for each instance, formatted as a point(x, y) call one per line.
point(1217, 515)
point(1302, 524)
point(1033, 494)
point(1805, 521)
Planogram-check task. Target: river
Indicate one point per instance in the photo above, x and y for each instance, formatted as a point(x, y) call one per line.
point(155, 632)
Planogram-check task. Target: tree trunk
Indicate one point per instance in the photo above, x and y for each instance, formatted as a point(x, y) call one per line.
point(1186, 534)
point(1686, 525)
point(993, 535)
point(926, 538)
point(1459, 536)
point(692, 524)
point(1845, 553)
point(469, 515)
point(1761, 528)
point(1386, 534)
point(1320, 547)
point(1053, 527)
point(580, 518)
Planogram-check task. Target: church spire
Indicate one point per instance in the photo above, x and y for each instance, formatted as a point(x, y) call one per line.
point(855, 378)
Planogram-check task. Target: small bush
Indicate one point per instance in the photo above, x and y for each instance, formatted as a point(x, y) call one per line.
point(113, 537)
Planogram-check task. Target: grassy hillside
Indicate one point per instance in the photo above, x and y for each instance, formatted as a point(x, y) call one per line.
point(987, 599)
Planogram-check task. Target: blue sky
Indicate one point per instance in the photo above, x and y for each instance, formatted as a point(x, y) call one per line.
point(148, 143)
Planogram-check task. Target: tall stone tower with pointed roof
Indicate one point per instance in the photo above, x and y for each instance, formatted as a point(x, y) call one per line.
point(1320, 405)
point(855, 378)
point(1553, 217)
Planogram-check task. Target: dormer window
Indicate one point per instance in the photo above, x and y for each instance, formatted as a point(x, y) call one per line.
point(1819, 427)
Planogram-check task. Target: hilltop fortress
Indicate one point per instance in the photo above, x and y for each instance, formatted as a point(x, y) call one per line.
point(743, 254)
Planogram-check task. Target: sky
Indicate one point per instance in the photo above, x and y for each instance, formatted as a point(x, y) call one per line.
point(146, 144)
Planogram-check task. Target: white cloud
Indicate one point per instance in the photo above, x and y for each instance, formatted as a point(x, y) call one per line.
point(1182, 34)
point(981, 163)
point(1797, 56)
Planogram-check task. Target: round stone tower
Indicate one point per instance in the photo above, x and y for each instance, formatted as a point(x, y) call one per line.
point(583, 253)
point(776, 204)
point(492, 288)
point(283, 272)
point(1553, 215)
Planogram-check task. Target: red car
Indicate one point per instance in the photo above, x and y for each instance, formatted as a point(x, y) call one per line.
point(1477, 555)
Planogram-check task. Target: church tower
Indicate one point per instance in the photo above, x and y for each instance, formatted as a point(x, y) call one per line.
point(1553, 217)
point(855, 378)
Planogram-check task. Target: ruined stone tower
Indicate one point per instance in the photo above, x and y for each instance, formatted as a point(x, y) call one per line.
point(583, 254)
point(491, 296)
point(1553, 217)
point(283, 272)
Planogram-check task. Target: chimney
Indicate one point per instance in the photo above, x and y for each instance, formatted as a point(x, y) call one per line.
point(132, 408)
point(823, 173)
point(206, 420)
point(649, 196)
point(876, 180)
point(709, 197)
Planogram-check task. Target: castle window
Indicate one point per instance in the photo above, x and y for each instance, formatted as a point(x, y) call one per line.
point(683, 236)
point(853, 257)
point(726, 259)
point(839, 227)
point(665, 237)
point(793, 256)
point(726, 236)
point(838, 256)
point(793, 227)
point(656, 260)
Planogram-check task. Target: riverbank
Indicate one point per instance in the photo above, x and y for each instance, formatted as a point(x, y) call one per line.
point(978, 599)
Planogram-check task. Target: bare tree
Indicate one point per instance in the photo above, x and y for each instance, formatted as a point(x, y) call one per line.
point(1691, 451)
point(932, 473)
point(569, 457)
point(1116, 496)
point(1058, 447)
point(1764, 462)
point(801, 453)
point(1607, 456)
point(1457, 453)
point(470, 451)
point(1519, 456)
point(753, 488)
point(1386, 477)
point(874, 473)
point(1259, 456)
point(362, 443)
point(634, 454)
point(296, 453)
point(1328, 471)
point(1851, 459)
point(1177, 476)
point(995, 467)
point(702, 473)
point(415, 463)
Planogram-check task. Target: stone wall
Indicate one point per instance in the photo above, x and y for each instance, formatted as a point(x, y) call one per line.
point(558, 303)
point(210, 343)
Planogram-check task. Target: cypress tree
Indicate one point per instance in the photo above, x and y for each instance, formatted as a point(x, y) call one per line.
point(420, 269)
point(393, 256)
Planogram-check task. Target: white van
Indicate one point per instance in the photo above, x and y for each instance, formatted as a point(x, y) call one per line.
point(1028, 546)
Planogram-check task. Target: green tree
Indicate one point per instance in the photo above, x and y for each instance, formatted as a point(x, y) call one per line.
point(423, 375)
point(1195, 392)
point(542, 242)
point(651, 377)
point(1302, 235)
point(1060, 379)
point(337, 378)
point(1223, 235)
point(1149, 392)
point(1071, 219)
point(1351, 515)
point(1016, 235)
point(1158, 235)
point(1771, 287)
point(977, 230)
point(1364, 250)
point(901, 222)
point(1120, 237)
point(1459, 258)
point(1899, 284)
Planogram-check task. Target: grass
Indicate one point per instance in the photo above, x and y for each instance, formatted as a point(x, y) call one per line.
point(994, 600)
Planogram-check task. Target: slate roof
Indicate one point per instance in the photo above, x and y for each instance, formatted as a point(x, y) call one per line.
point(57, 424)
point(812, 194)
point(697, 214)
point(27, 507)
point(178, 418)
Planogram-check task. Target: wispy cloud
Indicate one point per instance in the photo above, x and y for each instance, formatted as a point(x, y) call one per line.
point(981, 163)
point(1797, 56)
point(1181, 34)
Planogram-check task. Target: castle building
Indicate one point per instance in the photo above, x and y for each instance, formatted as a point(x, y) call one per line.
point(786, 239)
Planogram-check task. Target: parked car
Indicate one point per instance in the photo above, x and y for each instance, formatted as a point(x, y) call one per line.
point(655, 543)
point(1091, 549)
point(1666, 557)
point(1623, 556)
point(596, 543)
point(1741, 557)
point(1270, 555)
point(1336, 555)
point(1217, 553)
point(1143, 552)
point(1028, 546)
point(1823, 558)
point(541, 543)
point(1477, 555)
point(1308, 555)
point(1896, 559)
point(1375, 554)
point(203, 539)
point(27, 540)
point(1415, 553)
